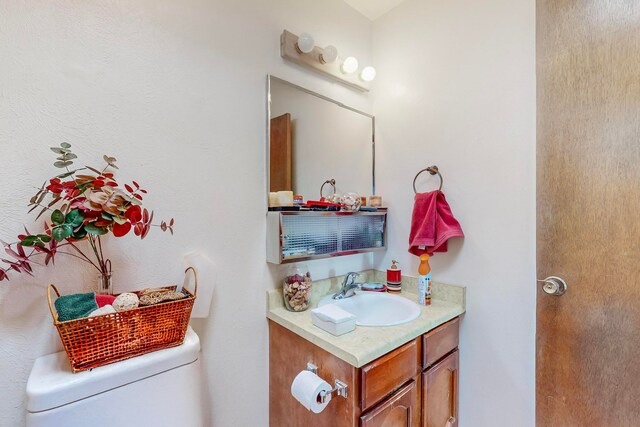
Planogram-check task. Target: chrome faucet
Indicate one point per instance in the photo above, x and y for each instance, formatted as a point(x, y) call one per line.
point(348, 286)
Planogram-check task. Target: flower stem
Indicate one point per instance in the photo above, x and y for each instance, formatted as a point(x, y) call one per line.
point(86, 258)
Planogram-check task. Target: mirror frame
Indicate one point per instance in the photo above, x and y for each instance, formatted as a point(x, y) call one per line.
point(271, 77)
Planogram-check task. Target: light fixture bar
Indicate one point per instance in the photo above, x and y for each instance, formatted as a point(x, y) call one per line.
point(290, 52)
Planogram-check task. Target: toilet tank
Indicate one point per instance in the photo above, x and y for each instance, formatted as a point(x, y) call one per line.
point(163, 388)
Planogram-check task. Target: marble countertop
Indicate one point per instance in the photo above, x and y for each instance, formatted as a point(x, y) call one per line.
point(366, 344)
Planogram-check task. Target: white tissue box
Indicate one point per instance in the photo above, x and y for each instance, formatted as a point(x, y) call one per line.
point(333, 319)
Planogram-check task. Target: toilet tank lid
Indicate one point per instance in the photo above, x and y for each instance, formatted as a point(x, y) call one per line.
point(52, 383)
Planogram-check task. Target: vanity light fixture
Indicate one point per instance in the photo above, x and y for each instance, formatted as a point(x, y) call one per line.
point(305, 43)
point(303, 51)
point(349, 65)
point(368, 74)
point(329, 55)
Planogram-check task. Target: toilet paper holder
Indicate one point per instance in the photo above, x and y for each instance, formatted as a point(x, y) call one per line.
point(339, 388)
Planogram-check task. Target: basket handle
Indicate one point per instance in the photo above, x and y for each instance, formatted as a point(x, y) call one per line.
point(54, 314)
point(195, 279)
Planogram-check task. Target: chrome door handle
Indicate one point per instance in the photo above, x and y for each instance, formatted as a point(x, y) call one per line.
point(554, 285)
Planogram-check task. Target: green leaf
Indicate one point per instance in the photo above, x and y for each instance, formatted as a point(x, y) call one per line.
point(74, 218)
point(57, 150)
point(61, 164)
point(39, 244)
point(106, 216)
point(29, 241)
point(70, 156)
point(58, 233)
point(67, 174)
point(80, 233)
point(65, 145)
point(68, 230)
point(44, 237)
point(92, 229)
point(57, 217)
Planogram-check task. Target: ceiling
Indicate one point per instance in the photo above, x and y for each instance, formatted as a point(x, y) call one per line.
point(373, 9)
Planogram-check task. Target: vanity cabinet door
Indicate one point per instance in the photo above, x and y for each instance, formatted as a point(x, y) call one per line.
point(402, 409)
point(440, 393)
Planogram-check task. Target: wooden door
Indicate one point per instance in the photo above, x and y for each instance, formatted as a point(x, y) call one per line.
point(280, 154)
point(440, 393)
point(588, 212)
point(401, 409)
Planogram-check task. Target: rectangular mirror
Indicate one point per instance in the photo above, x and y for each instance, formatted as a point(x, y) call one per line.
point(313, 138)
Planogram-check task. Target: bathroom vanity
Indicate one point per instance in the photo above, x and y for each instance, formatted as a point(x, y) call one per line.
point(404, 375)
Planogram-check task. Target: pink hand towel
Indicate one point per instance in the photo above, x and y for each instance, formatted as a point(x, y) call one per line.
point(432, 224)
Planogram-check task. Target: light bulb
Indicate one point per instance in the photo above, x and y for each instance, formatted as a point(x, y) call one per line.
point(368, 73)
point(329, 55)
point(305, 43)
point(350, 65)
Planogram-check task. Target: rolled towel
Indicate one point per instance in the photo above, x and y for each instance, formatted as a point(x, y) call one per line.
point(125, 301)
point(75, 306)
point(104, 299)
point(106, 309)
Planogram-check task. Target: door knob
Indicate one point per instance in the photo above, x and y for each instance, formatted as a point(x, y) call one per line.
point(554, 285)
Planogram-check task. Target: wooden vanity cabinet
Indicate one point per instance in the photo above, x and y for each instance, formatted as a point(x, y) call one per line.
point(415, 385)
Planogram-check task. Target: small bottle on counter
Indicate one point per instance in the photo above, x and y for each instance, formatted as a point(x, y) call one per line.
point(424, 281)
point(394, 277)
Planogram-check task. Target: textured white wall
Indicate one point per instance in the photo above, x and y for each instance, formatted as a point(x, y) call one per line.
point(175, 91)
point(456, 88)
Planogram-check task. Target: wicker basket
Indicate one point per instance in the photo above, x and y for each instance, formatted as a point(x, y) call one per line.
point(95, 341)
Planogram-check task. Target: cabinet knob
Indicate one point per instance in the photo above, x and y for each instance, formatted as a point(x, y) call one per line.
point(450, 422)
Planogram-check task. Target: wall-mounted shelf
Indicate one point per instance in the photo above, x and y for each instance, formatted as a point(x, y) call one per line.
point(300, 236)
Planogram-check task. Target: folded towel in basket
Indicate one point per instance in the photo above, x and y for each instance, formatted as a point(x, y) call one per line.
point(104, 299)
point(75, 306)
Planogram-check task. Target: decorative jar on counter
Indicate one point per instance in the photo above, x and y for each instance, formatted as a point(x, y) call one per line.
point(296, 288)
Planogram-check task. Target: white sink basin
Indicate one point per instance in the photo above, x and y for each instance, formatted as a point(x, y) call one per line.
point(376, 309)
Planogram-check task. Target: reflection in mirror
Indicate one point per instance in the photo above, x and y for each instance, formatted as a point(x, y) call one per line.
point(313, 139)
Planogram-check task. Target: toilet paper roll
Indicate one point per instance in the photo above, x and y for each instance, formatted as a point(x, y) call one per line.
point(306, 388)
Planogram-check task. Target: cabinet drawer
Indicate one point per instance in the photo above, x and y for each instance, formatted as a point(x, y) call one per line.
point(439, 342)
point(386, 374)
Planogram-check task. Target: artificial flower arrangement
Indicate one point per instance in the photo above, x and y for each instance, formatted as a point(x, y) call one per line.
point(82, 205)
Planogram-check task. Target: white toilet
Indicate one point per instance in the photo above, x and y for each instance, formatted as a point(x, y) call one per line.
point(163, 388)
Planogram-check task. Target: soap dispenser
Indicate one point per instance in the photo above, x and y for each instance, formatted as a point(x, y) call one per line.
point(394, 277)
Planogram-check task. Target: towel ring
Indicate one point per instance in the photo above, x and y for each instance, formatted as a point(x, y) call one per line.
point(331, 182)
point(433, 170)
